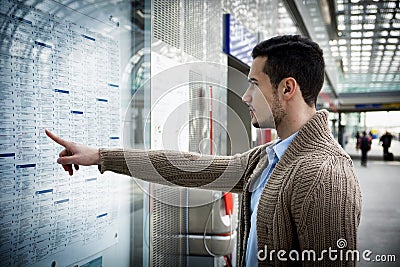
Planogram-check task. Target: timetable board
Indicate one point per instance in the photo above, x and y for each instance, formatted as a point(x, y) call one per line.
point(62, 76)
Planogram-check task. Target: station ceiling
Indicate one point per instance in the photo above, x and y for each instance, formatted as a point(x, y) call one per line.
point(361, 43)
point(367, 45)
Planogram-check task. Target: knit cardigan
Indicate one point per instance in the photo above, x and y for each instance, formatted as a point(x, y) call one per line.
point(311, 201)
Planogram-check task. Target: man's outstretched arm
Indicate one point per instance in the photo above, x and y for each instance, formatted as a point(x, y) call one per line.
point(163, 167)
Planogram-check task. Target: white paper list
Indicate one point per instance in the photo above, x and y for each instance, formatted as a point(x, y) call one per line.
point(57, 75)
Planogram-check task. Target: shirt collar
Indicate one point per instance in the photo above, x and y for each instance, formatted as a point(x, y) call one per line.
point(279, 147)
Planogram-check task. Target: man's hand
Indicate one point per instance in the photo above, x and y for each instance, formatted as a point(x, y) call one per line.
point(76, 154)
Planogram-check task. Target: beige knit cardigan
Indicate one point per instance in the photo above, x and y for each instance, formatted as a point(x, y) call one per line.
point(311, 200)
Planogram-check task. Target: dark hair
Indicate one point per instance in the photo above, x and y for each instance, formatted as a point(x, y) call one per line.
point(294, 56)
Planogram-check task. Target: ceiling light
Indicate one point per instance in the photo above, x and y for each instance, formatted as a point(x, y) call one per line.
point(356, 27)
point(355, 18)
point(355, 41)
point(356, 34)
point(334, 48)
point(369, 26)
point(368, 34)
point(367, 41)
point(391, 4)
point(389, 53)
point(395, 33)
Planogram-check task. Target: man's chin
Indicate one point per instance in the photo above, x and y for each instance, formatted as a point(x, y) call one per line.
point(264, 126)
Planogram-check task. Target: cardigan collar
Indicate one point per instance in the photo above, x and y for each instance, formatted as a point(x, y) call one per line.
point(308, 137)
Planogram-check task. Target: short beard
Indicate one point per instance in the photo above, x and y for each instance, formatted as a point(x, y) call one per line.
point(277, 110)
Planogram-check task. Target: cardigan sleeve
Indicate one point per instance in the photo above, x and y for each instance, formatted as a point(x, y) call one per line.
point(186, 169)
point(330, 215)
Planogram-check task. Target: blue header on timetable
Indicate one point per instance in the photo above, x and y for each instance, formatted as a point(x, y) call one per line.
point(225, 33)
point(88, 37)
point(61, 201)
point(43, 44)
point(367, 106)
point(44, 191)
point(22, 19)
point(6, 155)
point(76, 112)
point(102, 215)
point(238, 41)
point(21, 166)
point(61, 91)
point(101, 100)
point(114, 137)
point(113, 85)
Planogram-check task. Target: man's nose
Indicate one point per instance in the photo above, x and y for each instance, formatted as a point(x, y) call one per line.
point(246, 96)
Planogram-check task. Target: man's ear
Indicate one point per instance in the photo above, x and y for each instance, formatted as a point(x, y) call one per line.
point(289, 87)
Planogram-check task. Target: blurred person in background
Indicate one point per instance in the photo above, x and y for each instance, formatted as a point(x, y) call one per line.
point(386, 141)
point(357, 136)
point(365, 146)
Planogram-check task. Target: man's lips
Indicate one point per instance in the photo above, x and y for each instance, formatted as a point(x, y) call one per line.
point(251, 111)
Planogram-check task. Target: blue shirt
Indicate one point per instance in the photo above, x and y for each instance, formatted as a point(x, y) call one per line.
point(274, 154)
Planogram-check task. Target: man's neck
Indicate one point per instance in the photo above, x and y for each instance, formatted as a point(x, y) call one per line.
point(293, 121)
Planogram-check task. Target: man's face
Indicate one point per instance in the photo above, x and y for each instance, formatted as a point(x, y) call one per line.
point(264, 105)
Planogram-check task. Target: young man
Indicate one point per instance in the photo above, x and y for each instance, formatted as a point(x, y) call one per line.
point(301, 201)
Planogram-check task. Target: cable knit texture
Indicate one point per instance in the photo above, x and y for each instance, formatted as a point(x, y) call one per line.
point(311, 200)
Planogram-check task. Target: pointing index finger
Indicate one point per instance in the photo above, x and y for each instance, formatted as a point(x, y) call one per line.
point(57, 139)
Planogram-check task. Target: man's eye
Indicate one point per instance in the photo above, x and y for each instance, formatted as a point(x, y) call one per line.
point(253, 84)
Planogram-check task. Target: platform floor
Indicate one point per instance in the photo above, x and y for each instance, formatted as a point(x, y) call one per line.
point(379, 229)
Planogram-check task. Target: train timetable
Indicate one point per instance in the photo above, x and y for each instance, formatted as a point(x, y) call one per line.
point(59, 75)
